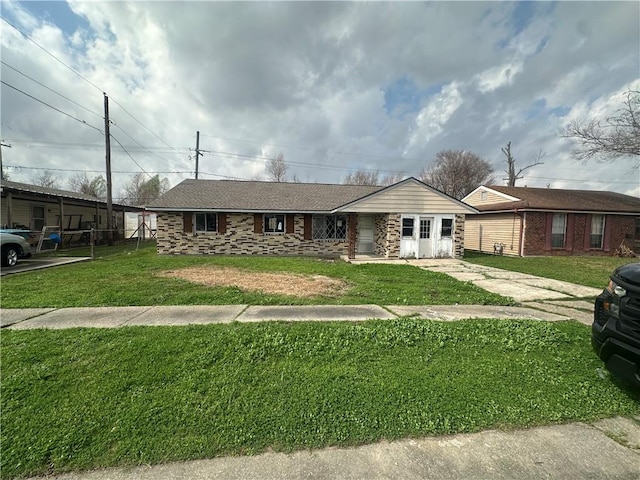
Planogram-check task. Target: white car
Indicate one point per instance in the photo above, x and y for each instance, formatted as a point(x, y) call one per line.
point(13, 248)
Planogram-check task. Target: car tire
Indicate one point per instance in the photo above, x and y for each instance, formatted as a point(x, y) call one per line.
point(9, 256)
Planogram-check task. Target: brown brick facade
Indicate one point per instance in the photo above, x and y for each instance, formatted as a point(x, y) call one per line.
point(618, 229)
point(241, 239)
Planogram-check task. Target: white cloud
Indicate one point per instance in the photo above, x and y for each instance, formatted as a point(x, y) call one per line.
point(307, 79)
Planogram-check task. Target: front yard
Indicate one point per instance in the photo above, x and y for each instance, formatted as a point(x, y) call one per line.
point(131, 277)
point(589, 271)
point(88, 398)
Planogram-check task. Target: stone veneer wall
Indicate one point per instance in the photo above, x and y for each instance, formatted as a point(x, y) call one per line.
point(380, 235)
point(393, 235)
point(458, 243)
point(240, 239)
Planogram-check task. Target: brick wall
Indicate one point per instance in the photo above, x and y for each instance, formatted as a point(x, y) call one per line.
point(618, 229)
point(240, 239)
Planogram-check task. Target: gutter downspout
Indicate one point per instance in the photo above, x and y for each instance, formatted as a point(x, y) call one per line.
point(523, 226)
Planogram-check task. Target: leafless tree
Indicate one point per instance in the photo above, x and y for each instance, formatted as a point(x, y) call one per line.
point(392, 178)
point(139, 191)
point(457, 172)
point(96, 187)
point(277, 169)
point(46, 179)
point(362, 177)
point(512, 176)
point(618, 136)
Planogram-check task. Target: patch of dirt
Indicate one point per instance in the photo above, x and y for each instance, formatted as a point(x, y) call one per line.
point(275, 283)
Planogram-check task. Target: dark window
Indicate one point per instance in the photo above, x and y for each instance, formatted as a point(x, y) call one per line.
point(597, 231)
point(273, 223)
point(206, 222)
point(407, 227)
point(447, 227)
point(558, 230)
point(329, 227)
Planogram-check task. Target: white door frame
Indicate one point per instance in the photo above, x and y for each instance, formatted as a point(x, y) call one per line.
point(425, 245)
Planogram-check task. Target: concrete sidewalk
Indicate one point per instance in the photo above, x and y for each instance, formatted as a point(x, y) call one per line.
point(608, 449)
point(111, 317)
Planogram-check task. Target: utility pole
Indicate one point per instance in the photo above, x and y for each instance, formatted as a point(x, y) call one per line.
point(198, 154)
point(107, 138)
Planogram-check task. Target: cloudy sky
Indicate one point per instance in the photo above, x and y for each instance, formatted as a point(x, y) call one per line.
point(333, 86)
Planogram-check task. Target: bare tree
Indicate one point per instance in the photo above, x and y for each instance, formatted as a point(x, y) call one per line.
point(618, 136)
point(96, 187)
point(141, 192)
point(457, 172)
point(277, 169)
point(362, 177)
point(46, 179)
point(512, 176)
point(392, 178)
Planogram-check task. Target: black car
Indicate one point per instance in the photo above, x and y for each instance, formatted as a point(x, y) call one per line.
point(615, 333)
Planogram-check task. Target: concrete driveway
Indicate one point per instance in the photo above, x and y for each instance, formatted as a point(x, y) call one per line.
point(37, 262)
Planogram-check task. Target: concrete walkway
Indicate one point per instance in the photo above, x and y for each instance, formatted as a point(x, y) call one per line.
point(609, 449)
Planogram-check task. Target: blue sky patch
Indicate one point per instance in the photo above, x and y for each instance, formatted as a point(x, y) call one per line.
point(58, 13)
point(404, 96)
point(536, 108)
point(560, 111)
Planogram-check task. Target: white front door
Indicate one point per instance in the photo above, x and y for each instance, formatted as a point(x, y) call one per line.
point(408, 237)
point(425, 243)
point(365, 234)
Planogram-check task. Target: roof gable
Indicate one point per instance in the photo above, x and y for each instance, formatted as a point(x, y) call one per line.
point(407, 196)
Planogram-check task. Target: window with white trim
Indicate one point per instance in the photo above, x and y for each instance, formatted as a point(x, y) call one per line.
point(597, 231)
point(205, 222)
point(558, 230)
point(407, 227)
point(273, 223)
point(447, 227)
point(329, 227)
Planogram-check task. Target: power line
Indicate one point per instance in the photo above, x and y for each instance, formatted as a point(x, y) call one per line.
point(320, 150)
point(91, 146)
point(50, 89)
point(86, 80)
point(20, 167)
point(125, 151)
point(52, 107)
point(52, 55)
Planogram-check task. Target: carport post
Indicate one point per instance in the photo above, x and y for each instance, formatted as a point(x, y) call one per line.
point(92, 242)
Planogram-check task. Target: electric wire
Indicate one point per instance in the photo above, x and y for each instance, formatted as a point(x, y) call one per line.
point(52, 107)
point(50, 89)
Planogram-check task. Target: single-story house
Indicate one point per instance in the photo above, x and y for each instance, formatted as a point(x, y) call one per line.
point(545, 221)
point(31, 207)
point(407, 219)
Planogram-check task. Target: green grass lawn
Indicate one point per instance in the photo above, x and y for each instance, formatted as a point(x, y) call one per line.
point(584, 270)
point(88, 398)
point(128, 277)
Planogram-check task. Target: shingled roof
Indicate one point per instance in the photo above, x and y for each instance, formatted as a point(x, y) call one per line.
point(253, 196)
point(563, 200)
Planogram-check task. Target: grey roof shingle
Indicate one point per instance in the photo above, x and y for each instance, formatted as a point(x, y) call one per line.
point(247, 196)
point(559, 199)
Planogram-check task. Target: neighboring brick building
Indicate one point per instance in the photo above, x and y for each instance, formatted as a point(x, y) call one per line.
point(407, 219)
point(543, 221)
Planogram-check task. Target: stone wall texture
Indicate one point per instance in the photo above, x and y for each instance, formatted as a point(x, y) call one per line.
point(458, 236)
point(240, 239)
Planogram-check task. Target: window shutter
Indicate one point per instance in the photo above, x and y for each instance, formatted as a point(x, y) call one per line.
point(607, 234)
point(257, 223)
point(187, 221)
point(568, 241)
point(290, 223)
point(307, 226)
point(547, 231)
point(587, 232)
point(222, 223)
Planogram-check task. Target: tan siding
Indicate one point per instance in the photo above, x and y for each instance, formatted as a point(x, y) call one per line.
point(408, 198)
point(476, 199)
point(498, 228)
